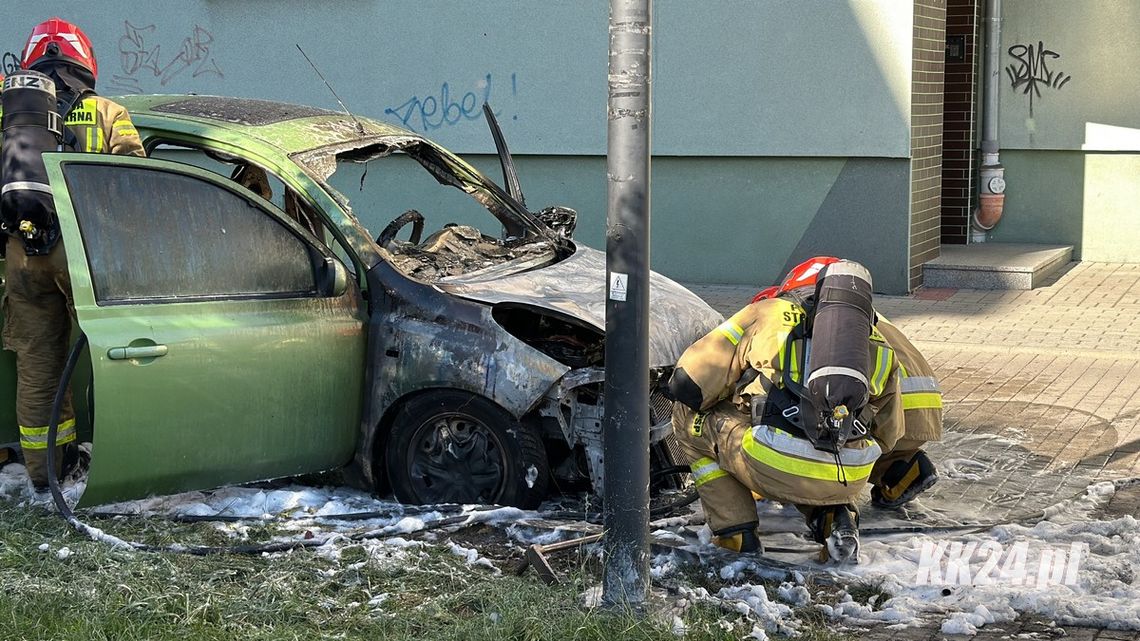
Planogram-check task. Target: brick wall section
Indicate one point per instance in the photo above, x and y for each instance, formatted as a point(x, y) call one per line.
point(960, 124)
point(927, 87)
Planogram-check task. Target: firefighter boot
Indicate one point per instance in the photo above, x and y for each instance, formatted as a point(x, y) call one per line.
point(740, 538)
point(903, 481)
point(836, 528)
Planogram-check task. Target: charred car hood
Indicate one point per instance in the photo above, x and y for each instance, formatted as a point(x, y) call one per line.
point(576, 287)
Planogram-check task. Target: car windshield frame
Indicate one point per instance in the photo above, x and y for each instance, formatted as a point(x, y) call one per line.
point(447, 169)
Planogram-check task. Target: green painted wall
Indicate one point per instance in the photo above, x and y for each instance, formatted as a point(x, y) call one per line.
point(1083, 89)
point(782, 128)
point(731, 77)
point(721, 220)
point(1070, 126)
point(1088, 200)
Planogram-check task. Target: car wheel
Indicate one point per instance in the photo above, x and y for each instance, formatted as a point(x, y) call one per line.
point(455, 447)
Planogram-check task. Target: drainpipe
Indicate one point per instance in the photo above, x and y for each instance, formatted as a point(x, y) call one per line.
point(991, 187)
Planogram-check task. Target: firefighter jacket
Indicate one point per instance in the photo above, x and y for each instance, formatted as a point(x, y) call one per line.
point(921, 395)
point(102, 126)
point(731, 453)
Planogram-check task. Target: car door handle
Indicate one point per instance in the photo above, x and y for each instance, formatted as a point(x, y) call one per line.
point(127, 353)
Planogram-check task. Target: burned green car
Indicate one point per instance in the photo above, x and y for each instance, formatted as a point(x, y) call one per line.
point(244, 325)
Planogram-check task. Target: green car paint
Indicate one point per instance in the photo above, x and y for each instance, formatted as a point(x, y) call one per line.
point(241, 383)
point(239, 386)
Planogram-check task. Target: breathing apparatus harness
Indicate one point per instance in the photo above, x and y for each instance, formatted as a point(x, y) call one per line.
point(34, 122)
point(830, 406)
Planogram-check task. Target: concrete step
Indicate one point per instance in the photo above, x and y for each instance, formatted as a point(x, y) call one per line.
point(995, 265)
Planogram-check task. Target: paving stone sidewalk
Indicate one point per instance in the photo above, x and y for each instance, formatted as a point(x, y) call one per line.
point(1054, 372)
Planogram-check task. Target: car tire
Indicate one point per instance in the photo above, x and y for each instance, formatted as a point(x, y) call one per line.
point(450, 446)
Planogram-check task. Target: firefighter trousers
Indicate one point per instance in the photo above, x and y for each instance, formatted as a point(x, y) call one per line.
point(730, 460)
point(38, 309)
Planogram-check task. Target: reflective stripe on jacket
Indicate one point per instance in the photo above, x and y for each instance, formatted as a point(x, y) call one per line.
point(103, 126)
point(921, 394)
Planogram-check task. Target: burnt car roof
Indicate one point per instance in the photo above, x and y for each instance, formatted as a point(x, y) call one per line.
point(241, 111)
point(289, 127)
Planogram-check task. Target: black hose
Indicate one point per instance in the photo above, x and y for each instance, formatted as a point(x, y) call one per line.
point(53, 429)
point(98, 535)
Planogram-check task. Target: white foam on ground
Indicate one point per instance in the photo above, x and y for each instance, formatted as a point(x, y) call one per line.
point(1106, 592)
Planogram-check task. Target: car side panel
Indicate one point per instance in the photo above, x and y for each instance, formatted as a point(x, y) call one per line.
point(422, 338)
point(244, 389)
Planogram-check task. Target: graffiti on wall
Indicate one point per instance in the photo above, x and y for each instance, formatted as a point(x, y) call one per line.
point(1031, 72)
point(144, 62)
point(443, 109)
point(9, 63)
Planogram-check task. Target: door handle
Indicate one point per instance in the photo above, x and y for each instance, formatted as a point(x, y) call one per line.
point(144, 351)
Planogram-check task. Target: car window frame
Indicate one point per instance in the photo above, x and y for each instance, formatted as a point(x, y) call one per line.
point(356, 266)
point(318, 253)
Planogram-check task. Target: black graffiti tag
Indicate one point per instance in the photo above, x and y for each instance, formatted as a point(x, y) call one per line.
point(1032, 72)
point(140, 59)
point(9, 63)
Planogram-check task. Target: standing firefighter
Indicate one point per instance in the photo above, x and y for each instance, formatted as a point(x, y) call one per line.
point(906, 471)
point(49, 105)
point(795, 404)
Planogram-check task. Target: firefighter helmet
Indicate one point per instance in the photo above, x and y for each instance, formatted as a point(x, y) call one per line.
point(56, 38)
point(767, 292)
point(805, 274)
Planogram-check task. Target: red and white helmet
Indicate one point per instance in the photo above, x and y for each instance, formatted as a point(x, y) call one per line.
point(56, 37)
point(768, 292)
point(805, 274)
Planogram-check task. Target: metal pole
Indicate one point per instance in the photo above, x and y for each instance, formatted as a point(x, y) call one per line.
point(625, 439)
point(993, 77)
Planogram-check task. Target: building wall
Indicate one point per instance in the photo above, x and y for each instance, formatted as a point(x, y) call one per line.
point(713, 217)
point(927, 85)
point(1070, 125)
point(740, 86)
point(959, 122)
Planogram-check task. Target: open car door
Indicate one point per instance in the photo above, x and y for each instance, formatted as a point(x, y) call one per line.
point(226, 342)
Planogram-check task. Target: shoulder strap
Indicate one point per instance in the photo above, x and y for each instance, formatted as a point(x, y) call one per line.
point(65, 108)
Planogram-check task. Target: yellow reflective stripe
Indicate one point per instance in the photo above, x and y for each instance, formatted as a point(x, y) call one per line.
point(125, 128)
point(731, 331)
point(705, 470)
point(883, 358)
point(35, 438)
point(782, 338)
point(85, 113)
point(876, 335)
point(795, 364)
point(800, 467)
point(922, 401)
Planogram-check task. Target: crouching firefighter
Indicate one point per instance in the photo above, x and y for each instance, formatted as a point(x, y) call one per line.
point(906, 471)
point(796, 405)
point(48, 105)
